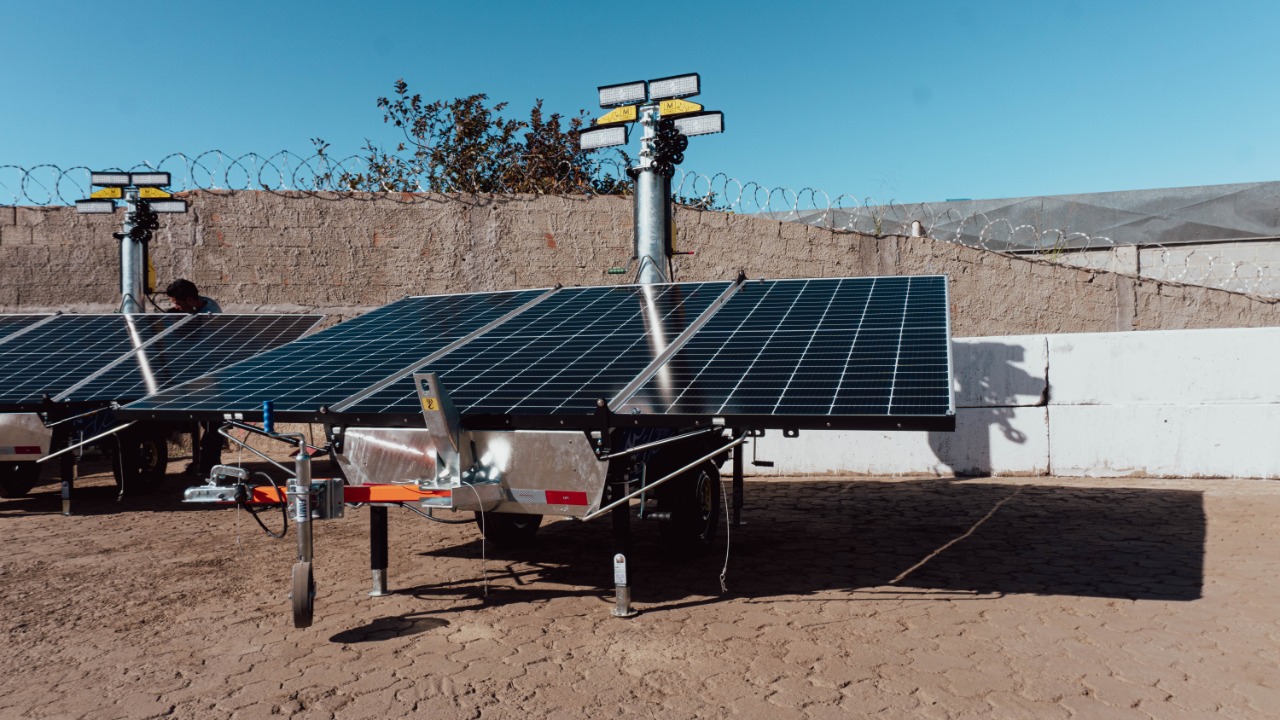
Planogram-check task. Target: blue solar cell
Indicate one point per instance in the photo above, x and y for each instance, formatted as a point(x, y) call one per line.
point(56, 355)
point(327, 367)
point(817, 347)
point(10, 324)
point(201, 344)
point(576, 347)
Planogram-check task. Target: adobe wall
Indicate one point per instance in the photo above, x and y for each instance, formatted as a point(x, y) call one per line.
point(344, 254)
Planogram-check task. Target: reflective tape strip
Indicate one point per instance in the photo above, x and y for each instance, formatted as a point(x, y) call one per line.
point(21, 450)
point(549, 497)
point(566, 497)
point(531, 497)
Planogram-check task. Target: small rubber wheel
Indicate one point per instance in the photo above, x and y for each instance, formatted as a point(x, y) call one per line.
point(693, 500)
point(17, 478)
point(140, 465)
point(302, 593)
point(508, 530)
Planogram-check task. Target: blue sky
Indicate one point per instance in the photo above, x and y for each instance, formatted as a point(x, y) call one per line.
point(905, 101)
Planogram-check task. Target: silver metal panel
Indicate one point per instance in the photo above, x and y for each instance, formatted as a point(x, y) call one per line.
point(517, 471)
point(388, 455)
point(23, 430)
point(533, 465)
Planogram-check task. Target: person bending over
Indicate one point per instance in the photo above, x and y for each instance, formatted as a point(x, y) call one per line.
point(206, 443)
point(187, 298)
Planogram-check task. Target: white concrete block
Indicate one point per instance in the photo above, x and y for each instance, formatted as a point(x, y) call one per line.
point(1000, 371)
point(1182, 367)
point(1165, 440)
point(999, 441)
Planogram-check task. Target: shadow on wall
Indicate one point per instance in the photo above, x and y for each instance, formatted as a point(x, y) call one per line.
point(991, 384)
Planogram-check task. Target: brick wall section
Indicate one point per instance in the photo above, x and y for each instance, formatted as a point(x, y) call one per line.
point(343, 255)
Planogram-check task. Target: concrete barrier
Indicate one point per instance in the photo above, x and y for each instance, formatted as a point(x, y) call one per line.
point(1178, 403)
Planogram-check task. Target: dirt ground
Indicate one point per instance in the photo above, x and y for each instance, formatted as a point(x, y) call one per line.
point(847, 597)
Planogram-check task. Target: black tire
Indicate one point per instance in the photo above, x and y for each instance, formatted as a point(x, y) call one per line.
point(140, 464)
point(693, 499)
point(302, 594)
point(508, 530)
point(17, 478)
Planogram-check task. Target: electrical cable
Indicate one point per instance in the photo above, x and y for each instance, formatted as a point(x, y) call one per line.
point(484, 558)
point(119, 466)
point(724, 571)
point(284, 512)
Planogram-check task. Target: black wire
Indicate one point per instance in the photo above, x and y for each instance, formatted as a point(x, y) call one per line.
point(119, 463)
point(284, 510)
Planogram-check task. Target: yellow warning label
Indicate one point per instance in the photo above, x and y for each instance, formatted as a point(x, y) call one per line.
point(430, 404)
point(111, 193)
point(626, 113)
point(677, 107)
point(150, 192)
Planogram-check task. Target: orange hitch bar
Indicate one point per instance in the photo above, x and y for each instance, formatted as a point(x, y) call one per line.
point(378, 493)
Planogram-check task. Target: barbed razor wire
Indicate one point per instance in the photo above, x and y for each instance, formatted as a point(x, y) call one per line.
point(1245, 264)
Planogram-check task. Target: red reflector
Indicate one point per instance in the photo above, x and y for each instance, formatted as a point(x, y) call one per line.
point(565, 497)
point(27, 450)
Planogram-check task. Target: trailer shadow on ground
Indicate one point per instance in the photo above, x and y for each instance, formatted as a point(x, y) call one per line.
point(974, 537)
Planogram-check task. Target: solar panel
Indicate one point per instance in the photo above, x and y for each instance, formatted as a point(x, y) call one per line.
point(557, 358)
point(810, 349)
point(832, 352)
point(325, 368)
point(199, 345)
point(10, 324)
point(51, 357)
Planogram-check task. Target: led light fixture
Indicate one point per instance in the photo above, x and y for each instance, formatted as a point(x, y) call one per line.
point(622, 94)
point(109, 179)
point(95, 206)
point(149, 179)
point(602, 137)
point(678, 86)
point(703, 123)
point(167, 206)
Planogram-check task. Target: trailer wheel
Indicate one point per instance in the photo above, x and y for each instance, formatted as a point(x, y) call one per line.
point(302, 594)
point(141, 461)
point(508, 530)
point(17, 478)
point(693, 499)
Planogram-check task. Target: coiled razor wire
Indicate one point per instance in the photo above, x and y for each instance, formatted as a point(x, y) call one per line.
point(283, 172)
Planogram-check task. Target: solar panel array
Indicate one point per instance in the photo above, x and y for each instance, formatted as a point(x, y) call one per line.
point(560, 356)
point(817, 347)
point(791, 350)
point(339, 362)
point(198, 346)
point(110, 358)
point(69, 348)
